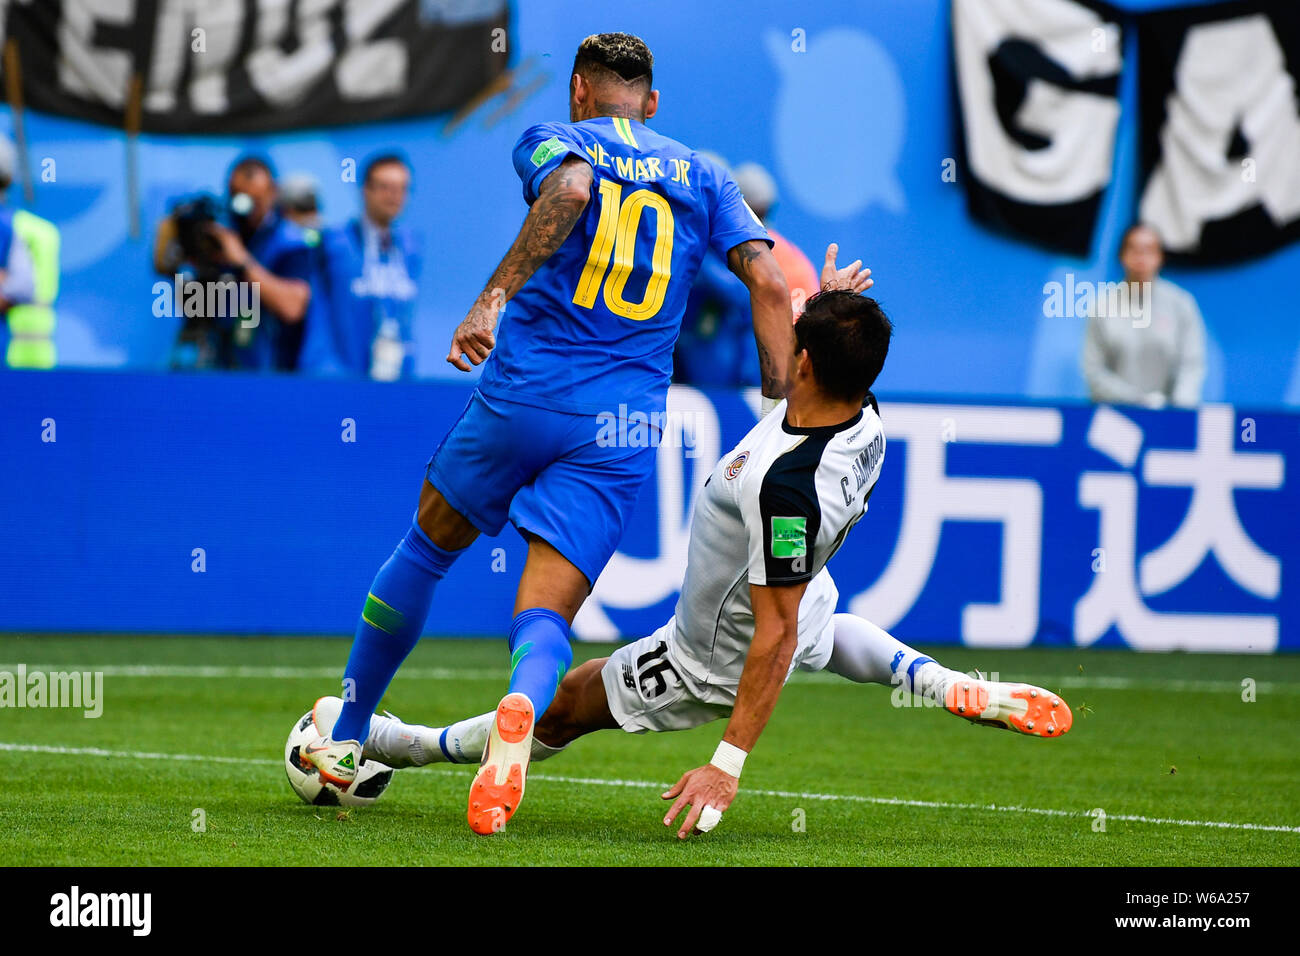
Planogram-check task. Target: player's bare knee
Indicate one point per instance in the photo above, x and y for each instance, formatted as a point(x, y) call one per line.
point(445, 526)
point(550, 580)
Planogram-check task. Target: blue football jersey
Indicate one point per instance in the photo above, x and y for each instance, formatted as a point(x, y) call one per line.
point(594, 327)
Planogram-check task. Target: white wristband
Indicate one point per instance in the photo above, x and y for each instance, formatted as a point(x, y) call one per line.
point(729, 758)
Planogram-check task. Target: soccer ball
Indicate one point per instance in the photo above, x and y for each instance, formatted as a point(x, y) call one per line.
point(373, 777)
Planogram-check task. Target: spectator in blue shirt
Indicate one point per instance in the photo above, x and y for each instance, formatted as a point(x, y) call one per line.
point(369, 269)
point(266, 249)
point(717, 326)
point(717, 330)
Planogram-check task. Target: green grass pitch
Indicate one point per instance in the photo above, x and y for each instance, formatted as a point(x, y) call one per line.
point(840, 777)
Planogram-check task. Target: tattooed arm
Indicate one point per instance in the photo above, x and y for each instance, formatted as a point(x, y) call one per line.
point(561, 199)
point(769, 300)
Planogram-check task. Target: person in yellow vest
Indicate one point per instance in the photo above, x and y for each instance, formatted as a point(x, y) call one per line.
point(31, 325)
point(29, 277)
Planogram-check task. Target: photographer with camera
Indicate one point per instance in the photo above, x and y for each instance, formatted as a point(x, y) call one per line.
point(259, 260)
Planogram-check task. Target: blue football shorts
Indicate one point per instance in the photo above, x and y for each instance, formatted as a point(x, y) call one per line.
point(545, 472)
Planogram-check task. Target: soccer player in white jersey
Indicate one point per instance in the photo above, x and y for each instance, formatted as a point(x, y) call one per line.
point(757, 602)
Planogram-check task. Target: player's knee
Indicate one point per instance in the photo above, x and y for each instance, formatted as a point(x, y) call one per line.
point(418, 548)
point(441, 524)
point(551, 580)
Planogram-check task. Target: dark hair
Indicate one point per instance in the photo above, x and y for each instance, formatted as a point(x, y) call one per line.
point(383, 159)
point(246, 164)
point(621, 56)
point(1123, 242)
point(303, 203)
point(847, 338)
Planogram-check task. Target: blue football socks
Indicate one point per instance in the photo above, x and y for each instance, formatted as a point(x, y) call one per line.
point(539, 655)
point(391, 622)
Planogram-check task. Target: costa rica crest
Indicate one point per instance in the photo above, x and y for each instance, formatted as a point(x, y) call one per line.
point(737, 463)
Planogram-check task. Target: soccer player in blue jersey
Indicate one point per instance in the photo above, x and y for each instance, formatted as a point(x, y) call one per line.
point(619, 220)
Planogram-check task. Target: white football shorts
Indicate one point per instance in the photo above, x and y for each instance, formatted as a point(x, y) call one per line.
point(648, 688)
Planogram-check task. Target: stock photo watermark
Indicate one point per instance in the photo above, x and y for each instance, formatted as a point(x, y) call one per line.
point(637, 429)
point(74, 690)
point(1083, 298)
point(210, 299)
point(127, 910)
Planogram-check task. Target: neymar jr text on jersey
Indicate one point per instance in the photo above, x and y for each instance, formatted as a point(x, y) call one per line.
point(649, 169)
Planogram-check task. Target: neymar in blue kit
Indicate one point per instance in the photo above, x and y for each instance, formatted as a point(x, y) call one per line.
point(619, 219)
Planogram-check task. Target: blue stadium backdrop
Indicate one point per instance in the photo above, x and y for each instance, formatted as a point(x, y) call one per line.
point(853, 107)
point(263, 505)
point(1009, 512)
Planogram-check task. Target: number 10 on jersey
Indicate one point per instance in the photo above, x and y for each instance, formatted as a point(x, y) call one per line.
point(616, 233)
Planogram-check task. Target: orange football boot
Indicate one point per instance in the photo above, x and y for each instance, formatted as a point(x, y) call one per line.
point(498, 786)
point(1023, 708)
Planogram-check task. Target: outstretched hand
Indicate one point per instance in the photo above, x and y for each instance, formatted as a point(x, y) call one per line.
point(852, 277)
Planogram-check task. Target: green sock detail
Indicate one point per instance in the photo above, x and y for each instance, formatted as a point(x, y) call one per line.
point(378, 614)
point(518, 656)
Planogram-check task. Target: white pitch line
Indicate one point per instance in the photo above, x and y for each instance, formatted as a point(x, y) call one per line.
point(1101, 683)
point(469, 674)
point(129, 754)
point(651, 785)
point(939, 805)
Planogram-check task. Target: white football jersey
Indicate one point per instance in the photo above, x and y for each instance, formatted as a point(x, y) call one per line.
point(773, 512)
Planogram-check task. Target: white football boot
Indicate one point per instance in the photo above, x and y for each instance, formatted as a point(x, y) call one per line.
point(336, 761)
point(389, 741)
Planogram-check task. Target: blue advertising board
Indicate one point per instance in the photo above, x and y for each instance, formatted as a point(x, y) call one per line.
point(264, 505)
